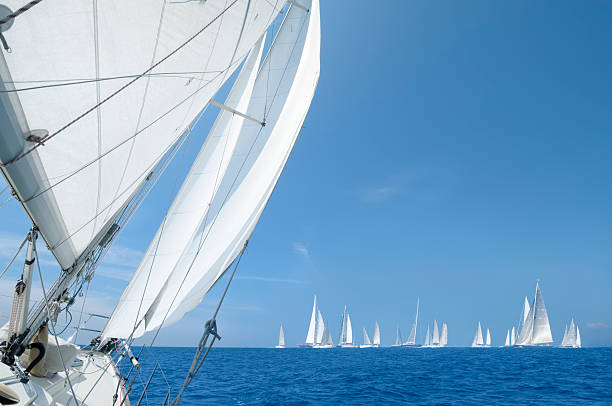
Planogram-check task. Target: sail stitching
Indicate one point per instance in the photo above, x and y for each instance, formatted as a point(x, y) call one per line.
point(121, 89)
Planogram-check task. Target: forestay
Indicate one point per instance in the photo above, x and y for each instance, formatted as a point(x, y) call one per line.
point(79, 53)
point(282, 94)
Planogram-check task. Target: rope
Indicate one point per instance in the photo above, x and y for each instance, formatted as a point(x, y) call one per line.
point(122, 88)
point(52, 324)
point(15, 256)
point(19, 12)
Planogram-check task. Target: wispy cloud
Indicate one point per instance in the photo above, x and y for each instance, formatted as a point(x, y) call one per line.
point(123, 256)
point(378, 194)
point(122, 274)
point(268, 279)
point(301, 249)
point(597, 324)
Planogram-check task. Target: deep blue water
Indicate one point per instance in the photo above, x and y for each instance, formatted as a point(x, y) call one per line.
point(445, 376)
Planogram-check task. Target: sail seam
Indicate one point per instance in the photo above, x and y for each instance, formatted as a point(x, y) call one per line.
point(116, 92)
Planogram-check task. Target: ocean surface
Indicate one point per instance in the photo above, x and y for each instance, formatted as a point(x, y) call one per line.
point(444, 376)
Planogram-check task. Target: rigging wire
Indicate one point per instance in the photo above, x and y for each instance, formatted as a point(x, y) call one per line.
point(52, 324)
point(15, 256)
point(121, 89)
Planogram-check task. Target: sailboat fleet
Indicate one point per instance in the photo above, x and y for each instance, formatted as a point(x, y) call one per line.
point(533, 330)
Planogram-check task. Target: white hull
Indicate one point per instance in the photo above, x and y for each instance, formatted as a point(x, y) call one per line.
point(281, 346)
point(369, 346)
point(97, 371)
point(348, 346)
point(323, 346)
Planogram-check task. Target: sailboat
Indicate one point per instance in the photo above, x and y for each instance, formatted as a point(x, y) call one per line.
point(281, 338)
point(312, 327)
point(488, 340)
point(536, 328)
point(346, 331)
point(376, 338)
point(398, 338)
point(366, 340)
point(427, 343)
point(571, 337)
point(513, 336)
point(478, 341)
point(444, 336)
point(412, 337)
point(326, 340)
point(507, 342)
point(435, 341)
point(80, 155)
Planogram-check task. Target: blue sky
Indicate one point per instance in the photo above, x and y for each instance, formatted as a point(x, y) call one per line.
point(454, 151)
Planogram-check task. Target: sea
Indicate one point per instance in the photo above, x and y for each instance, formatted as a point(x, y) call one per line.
point(383, 376)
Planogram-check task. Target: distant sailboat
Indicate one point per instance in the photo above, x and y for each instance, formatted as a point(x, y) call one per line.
point(513, 336)
point(312, 327)
point(376, 339)
point(435, 341)
point(398, 338)
point(571, 337)
point(427, 343)
point(507, 343)
point(536, 328)
point(366, 340)
point(412, 337)
point(326, 340)
point(488, 342)
point(346, 331)
point(281, 338)
point(478, 341)
point(444, 336)
point(320, 328)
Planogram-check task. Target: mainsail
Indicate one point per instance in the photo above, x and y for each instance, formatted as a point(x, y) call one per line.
point(376, 338)
point(436, 335)
point(478, 341)
point(310, 336)
point(366, 339)
point(427, 338)
point(513, 336)
point(320, 328)
point(507, 342)
point(444, 336)
point(488, 342)
point(398, 337)
point(412, 336)
point(281, 337)
point(525, 310)
point(281, 96)
point(115, 109)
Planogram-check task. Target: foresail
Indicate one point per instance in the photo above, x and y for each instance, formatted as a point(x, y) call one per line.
point(320, 328)
point(188, 209)
point(281, 97)
point(541, 326)
point(75, 185)
point(376, 339)
point(310, 336)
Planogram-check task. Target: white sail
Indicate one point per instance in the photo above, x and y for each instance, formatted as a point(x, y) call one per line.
point(412, 336)
point(564, 341)
point(281, 337)
point(376, 338)
point(76, 185)
point(349, 329)
point(327, 340)
point(310, 336)
point(398, 337)
point(488, 342)
point(513, 336)
point(282, 93)
point(189, 207)
point(320, 328)
point(526, 309)
point(427, 338)
point(541, 326)
point(507, 343)
point(578, 339)
point(526, 333)
point(444, 336)
point(478, 341)
point(436, 335)
point(366, 339)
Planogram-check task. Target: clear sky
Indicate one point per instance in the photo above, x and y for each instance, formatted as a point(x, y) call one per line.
point(454, 151)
